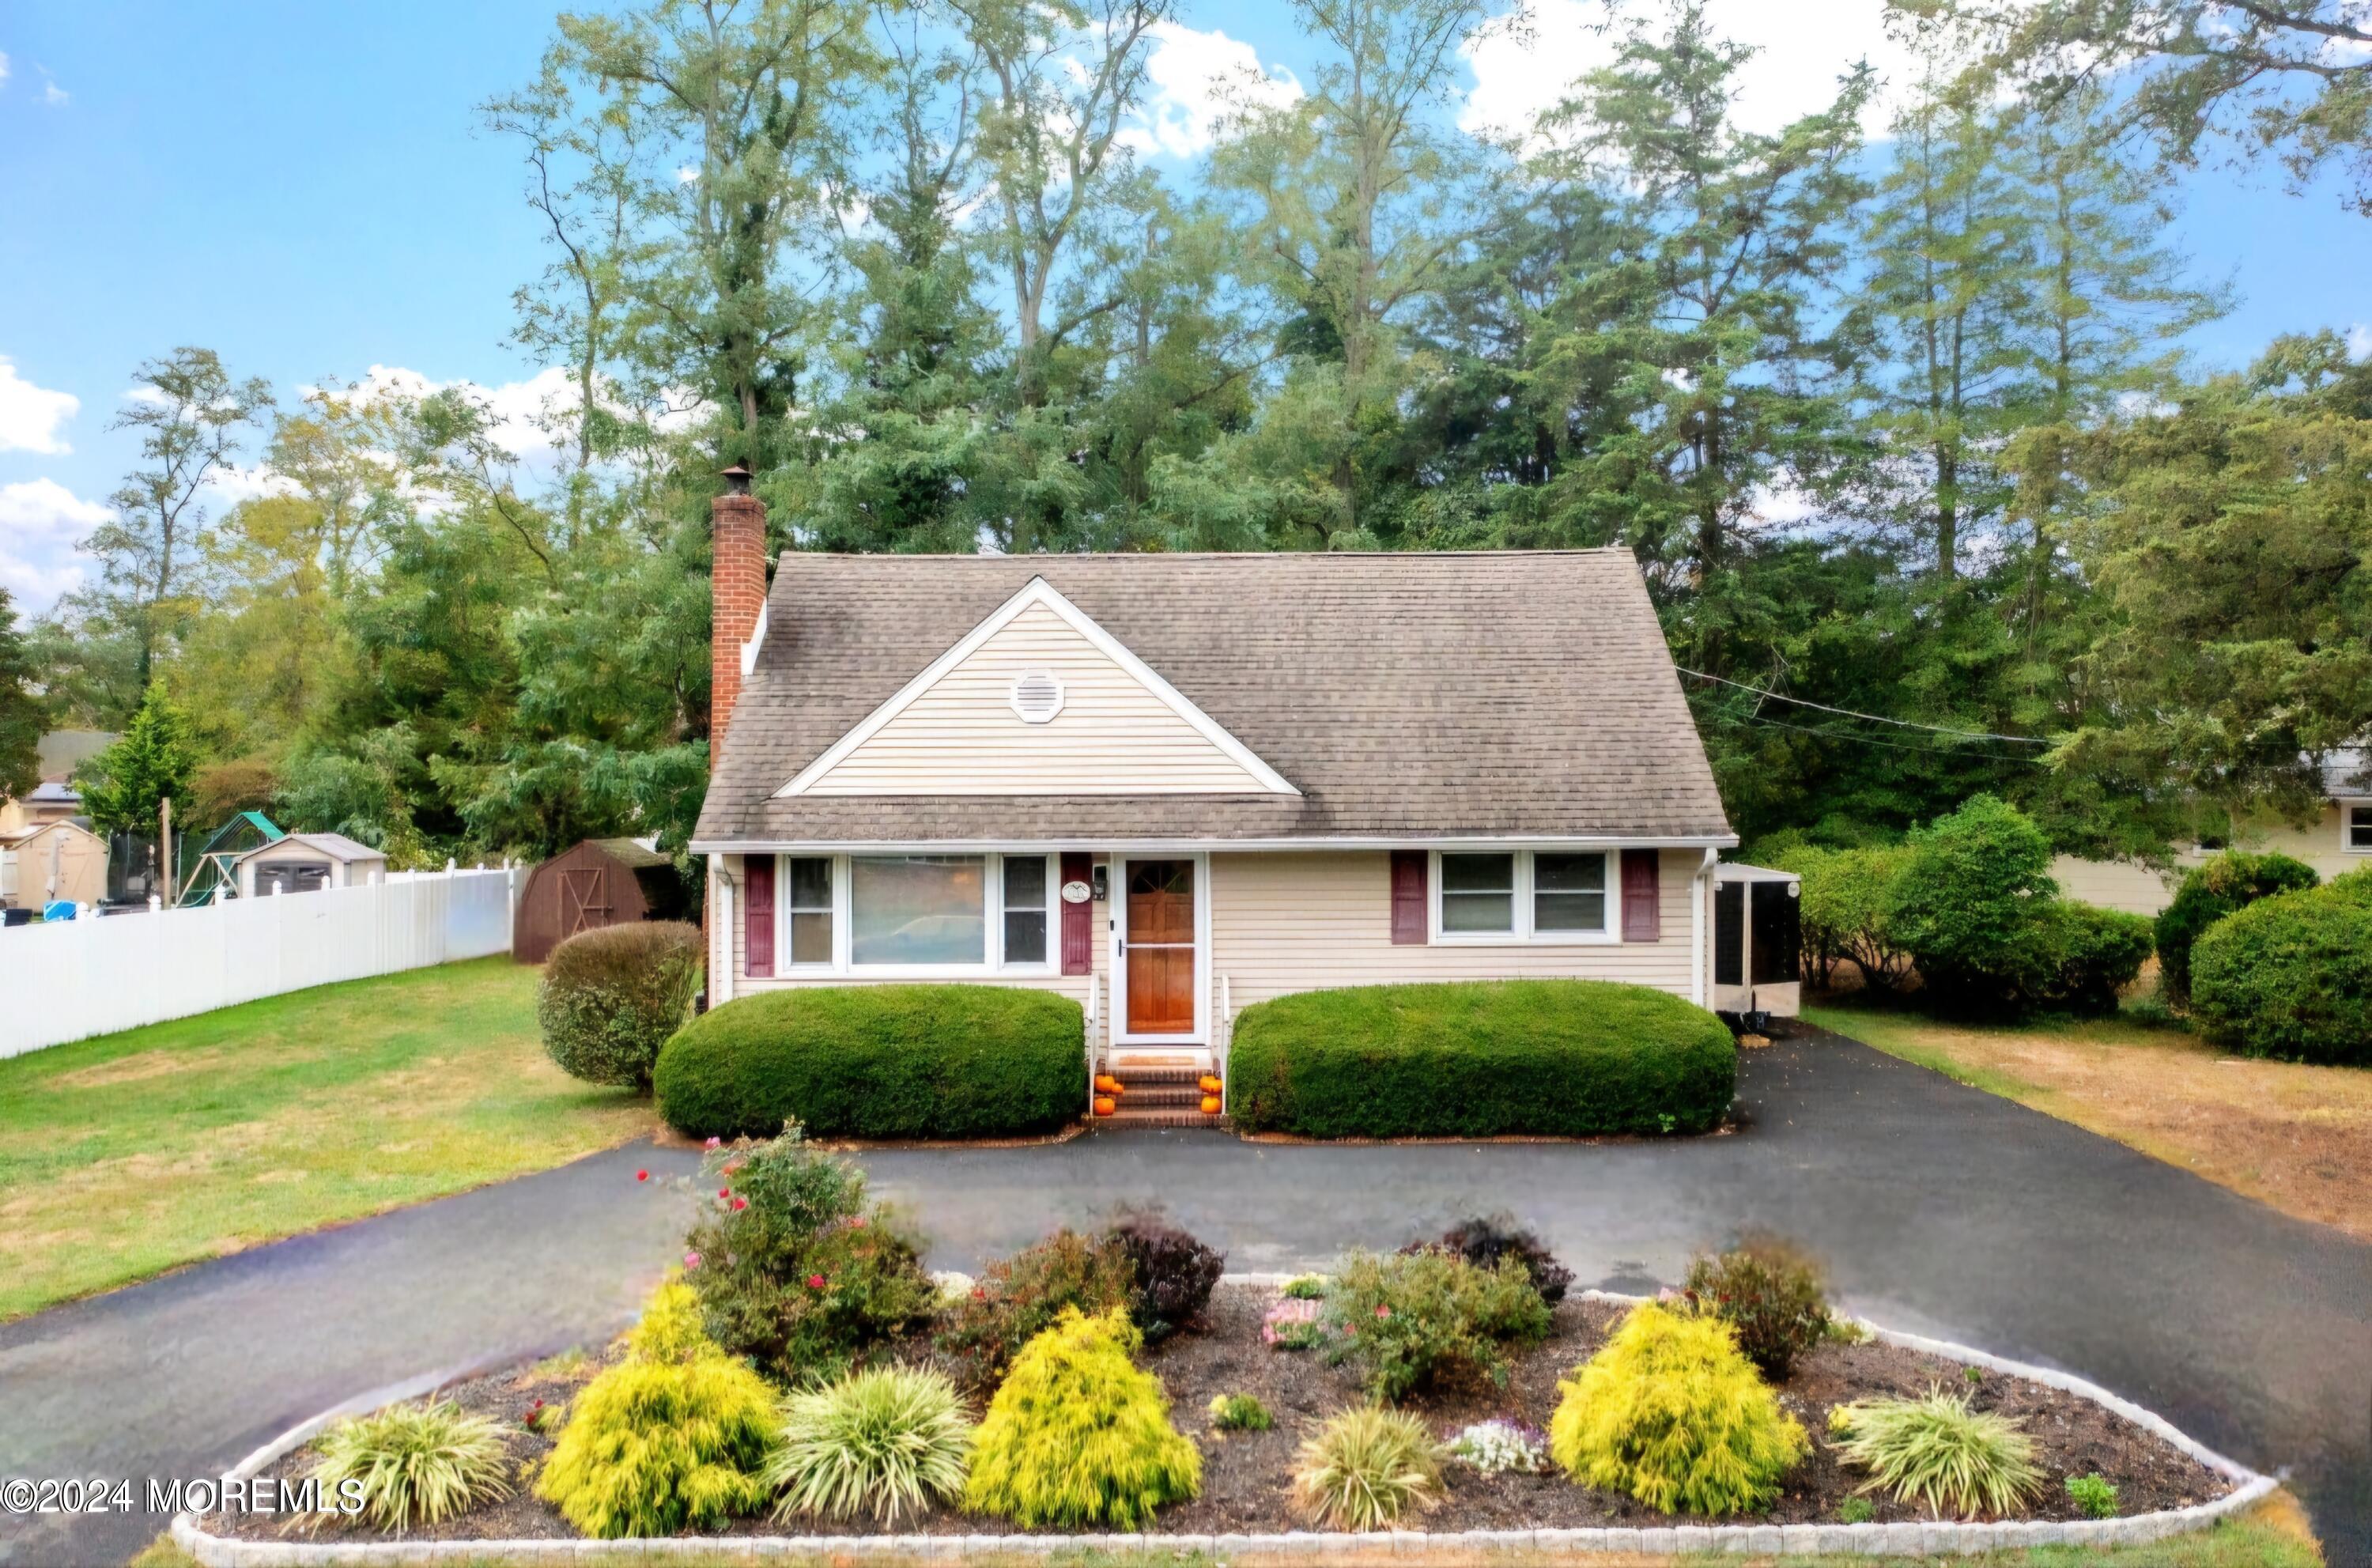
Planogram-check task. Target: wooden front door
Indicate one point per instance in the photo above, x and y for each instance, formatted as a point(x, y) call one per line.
point(1158, 946)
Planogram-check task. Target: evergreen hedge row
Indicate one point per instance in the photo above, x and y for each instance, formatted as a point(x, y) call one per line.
point(2291, 975)
point(1479, 1059)
point(878, 1062)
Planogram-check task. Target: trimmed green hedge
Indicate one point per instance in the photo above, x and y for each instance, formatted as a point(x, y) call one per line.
point(2291, 975)
point(878, 1062)
point(1479, 1059)
point(2215, 888)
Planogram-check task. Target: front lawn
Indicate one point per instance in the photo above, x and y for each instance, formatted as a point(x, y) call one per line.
point(130, 1153)
point(2296, 1138)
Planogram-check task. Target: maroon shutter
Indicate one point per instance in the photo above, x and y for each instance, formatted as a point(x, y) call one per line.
point(1643, 912)
point(1078, 949)
point(1408, 898)
point(758, 915)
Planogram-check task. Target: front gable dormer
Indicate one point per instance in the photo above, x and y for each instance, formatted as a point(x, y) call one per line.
point(1038, 699)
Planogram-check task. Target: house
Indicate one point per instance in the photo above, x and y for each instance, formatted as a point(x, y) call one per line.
point(2339, 840)
point(1175, 786)
point(597, 882)
point(302, 863)
point(56, 861)
point(55, 798)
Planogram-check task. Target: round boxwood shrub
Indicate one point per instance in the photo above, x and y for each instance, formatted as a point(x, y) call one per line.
point(2291, 975)
point(2211, 890)
point(878, 1062)
point(1479, 1059)
point(613, 996)
point(2086, 955)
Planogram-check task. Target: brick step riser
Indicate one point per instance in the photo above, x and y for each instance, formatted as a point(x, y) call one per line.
point(1161, 1118)
point(1152, 1076)
point(1138, 1095)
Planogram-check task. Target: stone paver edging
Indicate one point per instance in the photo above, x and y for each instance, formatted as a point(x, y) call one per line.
point(1911, 1539)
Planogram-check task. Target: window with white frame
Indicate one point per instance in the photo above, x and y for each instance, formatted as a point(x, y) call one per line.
point(810, 909)
point(2359, 829)
point(1522, 895)
point(917, 912)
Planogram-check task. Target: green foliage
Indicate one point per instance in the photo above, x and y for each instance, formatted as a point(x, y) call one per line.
point(22, 714)
point(613, 996)
point(1479, 1059)
point(797, 1271)
point(1078, 1438)
point(1017, 1298)
point(1856, 1511)
point(1239, 1412)
point(1843, 909)
point(2211, 890)
point(1771, 1297)
point(1305, 1287)
point(1366, 1469)
point(1669, 1411)
point(152, 763)
point(419, 1464)
point(2291, 975)
point(878, 1062)
point(1174, 1273)
point(2092, 953)
point(1962, 899)
point(886, 1442)
point(1408, 1320)
point(1938, 1453)
point(2096, 1495)
point(672, 1438)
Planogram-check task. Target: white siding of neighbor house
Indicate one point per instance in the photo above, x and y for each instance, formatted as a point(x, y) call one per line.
point(2124, 886)
point(1312, 921)
point(961, 736)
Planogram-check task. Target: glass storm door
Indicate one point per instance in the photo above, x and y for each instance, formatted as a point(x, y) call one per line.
point(1157, 945)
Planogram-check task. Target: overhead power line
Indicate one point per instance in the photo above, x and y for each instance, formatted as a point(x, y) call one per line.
point(1873, 718)
point(2028, 759)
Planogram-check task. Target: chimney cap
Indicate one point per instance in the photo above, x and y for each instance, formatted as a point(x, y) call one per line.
point(737, 480)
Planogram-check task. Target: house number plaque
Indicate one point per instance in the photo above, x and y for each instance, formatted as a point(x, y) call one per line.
point(1076, 892)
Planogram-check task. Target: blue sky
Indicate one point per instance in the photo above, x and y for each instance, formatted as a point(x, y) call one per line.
point(304, 189)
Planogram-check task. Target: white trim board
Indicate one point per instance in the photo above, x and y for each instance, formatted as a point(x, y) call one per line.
point(1150, 846)
point(1039, 593)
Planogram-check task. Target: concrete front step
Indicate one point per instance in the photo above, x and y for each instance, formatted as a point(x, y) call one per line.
point(1166, 1096)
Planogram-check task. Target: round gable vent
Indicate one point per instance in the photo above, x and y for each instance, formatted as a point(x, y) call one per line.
point(1037, 696)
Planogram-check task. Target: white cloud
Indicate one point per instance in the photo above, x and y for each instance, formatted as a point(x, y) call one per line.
point(1802, 50)
point(31, 415)
point(52, 94)
point(2359, 341)
point(4, 67)
point(1198, 79)
point(40, 523)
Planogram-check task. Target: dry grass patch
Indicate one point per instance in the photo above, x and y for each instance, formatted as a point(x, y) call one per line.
point(133, 1153)
point(2296, 1138)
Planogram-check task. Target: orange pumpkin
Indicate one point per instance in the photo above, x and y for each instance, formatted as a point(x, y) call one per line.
point(1106, 1105)
point(1210, 1105)
point(1108, 1085)
point(1211, 1085)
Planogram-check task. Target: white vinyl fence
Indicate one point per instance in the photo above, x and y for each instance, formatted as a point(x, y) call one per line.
point(69, 979)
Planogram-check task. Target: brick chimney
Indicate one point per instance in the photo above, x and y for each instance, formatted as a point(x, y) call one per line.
point(737, 593)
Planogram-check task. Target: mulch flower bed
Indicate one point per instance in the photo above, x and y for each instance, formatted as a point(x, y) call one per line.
point(1246, 1474)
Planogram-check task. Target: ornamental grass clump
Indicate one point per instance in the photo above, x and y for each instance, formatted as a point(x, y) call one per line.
point(1415, 1318)
point(1366, 1468)
point(1939, 1453)
point(672, 1438)
point(886, 1442)
point(417, 1464)
point(1671, 1413)
point(1077, 1438)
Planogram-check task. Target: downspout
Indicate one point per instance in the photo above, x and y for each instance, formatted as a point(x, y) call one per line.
point(720, 974)
point(1698, 885)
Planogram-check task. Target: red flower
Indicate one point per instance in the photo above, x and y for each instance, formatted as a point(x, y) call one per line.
point(739, 1204)
point(725, 1191)
point(714, 1143)
point(641, 1175)
point(979, 1293)
point(815, 1282)
point(1382, 1311)
point(856, 1222)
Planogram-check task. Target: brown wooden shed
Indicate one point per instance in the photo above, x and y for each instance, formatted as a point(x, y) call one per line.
point(599, 882)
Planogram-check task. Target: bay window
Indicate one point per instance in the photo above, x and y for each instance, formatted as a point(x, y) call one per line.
point(917, 909)
point(916, 913)
point(1523, 895)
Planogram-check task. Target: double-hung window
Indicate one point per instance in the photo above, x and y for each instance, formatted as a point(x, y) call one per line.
point(2359, 829)
point(1524, 896)
point(917, 913)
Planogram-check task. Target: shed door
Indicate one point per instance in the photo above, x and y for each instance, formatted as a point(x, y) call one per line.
point(1158, 942)
point(584, 899)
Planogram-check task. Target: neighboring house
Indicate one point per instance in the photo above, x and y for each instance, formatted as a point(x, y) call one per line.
point(57, 860)
point(1174, 785)
point(302, 863)
point(53, 800)
point(2338, 841)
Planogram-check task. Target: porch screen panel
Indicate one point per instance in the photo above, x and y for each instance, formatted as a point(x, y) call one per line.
point(1778, 934)
point(1729, 934)
point(758, 921)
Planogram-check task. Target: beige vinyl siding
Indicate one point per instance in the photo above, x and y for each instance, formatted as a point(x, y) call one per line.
point(2114, 883)
point(1307, 922)
point(1075, 986)
point(2122, 885)
point(961, 735)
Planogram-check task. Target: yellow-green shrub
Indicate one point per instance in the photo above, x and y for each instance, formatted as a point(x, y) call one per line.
point(1078, 1436)
point(673, 1438)
point(1670, 1412)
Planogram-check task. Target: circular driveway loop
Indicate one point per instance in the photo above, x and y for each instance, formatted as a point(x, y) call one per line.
point(1937, 1208)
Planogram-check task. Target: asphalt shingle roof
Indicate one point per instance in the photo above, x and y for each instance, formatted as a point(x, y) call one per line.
point(1406, 695)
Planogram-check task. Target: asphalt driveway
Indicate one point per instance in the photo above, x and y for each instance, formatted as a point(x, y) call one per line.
point(1938, 1208)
